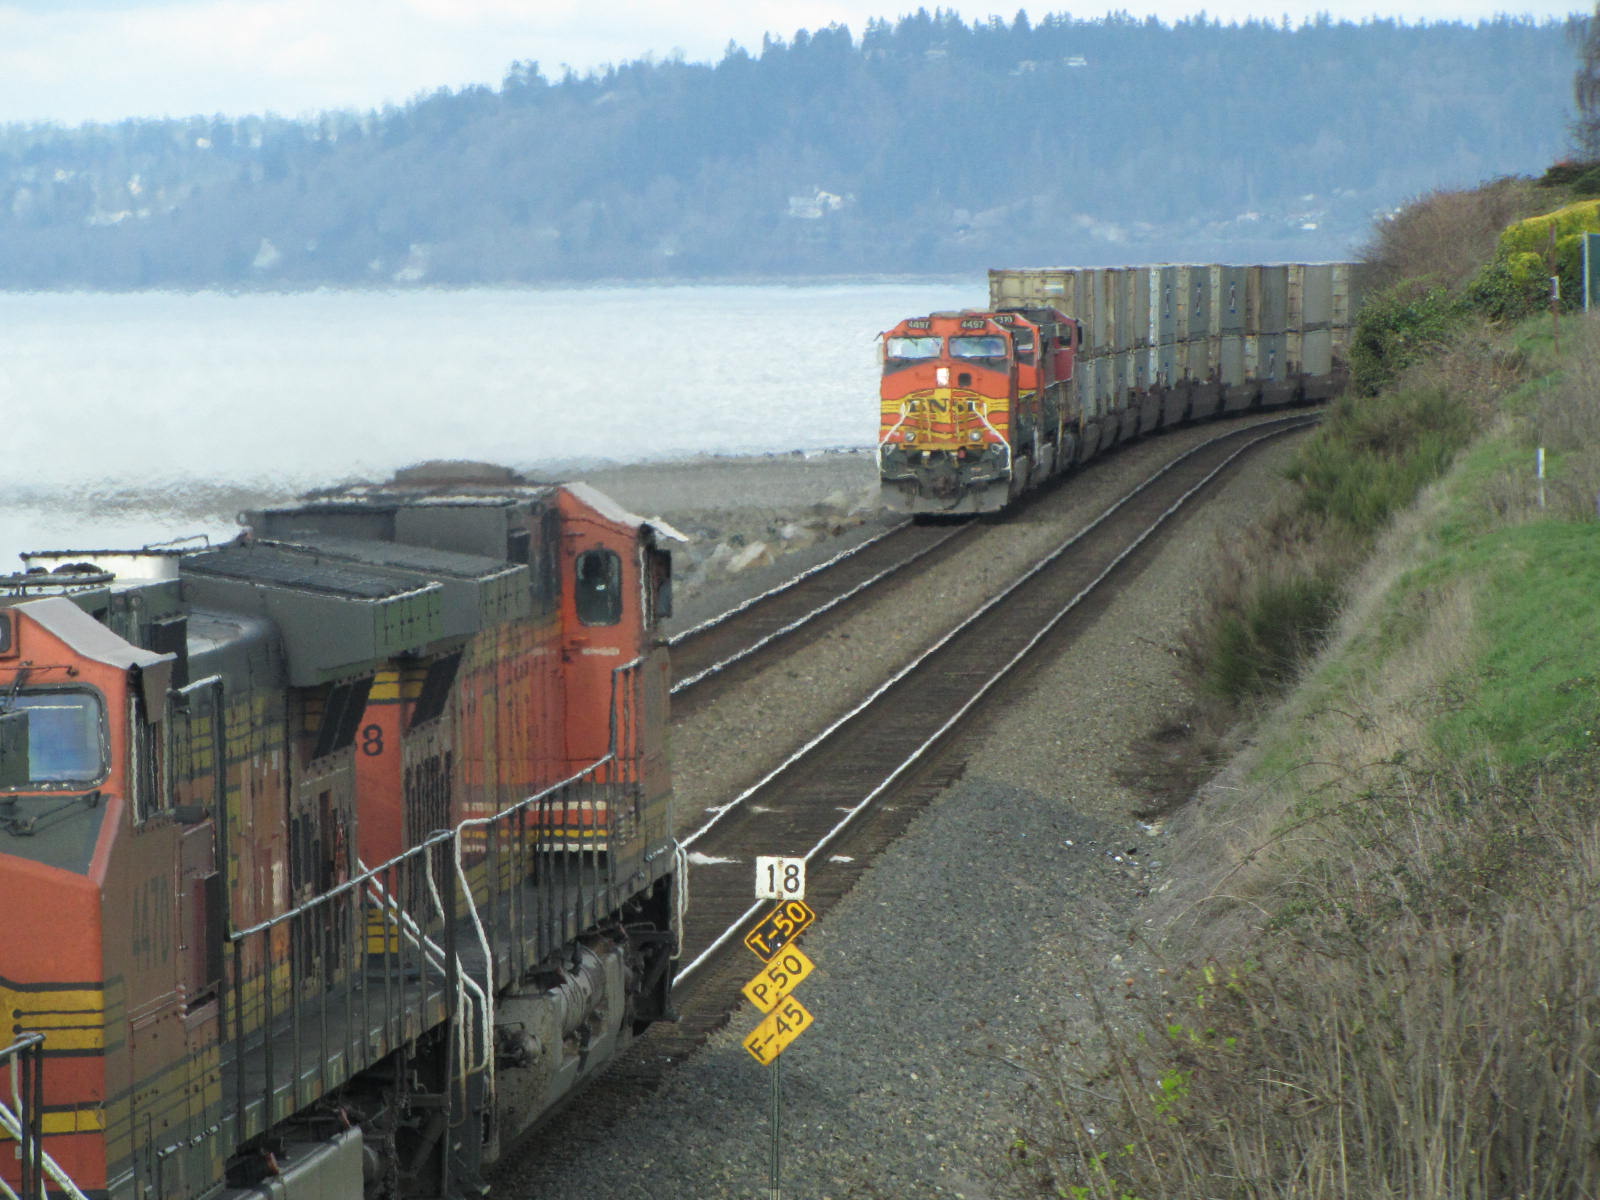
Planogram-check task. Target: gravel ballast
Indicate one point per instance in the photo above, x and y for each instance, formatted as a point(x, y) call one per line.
point(1014, 895)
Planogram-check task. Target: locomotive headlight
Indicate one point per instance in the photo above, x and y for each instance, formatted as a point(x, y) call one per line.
point(911, 435)
point(974, 436)
point(941, 376)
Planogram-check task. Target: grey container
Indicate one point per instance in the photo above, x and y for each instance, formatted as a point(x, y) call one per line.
point(1086, 376)
point(1317, 352)
point(1169, 364)
point(1267, 300)
point(1229, 299)
point(1118, 286)
point(1134, 303)
point(1168, 304)
point(1196, 302)
point(1100, 309)
point(1310, 296)
point(1199, 357)
point(1230, 359)
point(1263, 354)
point(1026, 286)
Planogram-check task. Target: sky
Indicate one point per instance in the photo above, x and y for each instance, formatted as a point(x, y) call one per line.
point(70, 61)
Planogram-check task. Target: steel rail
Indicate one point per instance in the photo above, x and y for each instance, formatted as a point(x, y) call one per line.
point(806, 618)
point(779, 589)
point(1277, 429)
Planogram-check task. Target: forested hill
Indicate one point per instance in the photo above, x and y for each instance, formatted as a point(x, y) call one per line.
point(926, 145)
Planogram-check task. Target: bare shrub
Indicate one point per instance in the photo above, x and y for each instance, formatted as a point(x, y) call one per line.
point(1474, 372)
point(1423, 1022)
point(1272, 599)
point(1445, 237)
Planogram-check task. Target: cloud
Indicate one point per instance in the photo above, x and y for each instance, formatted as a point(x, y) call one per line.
point(231, 56)
point(76, 60)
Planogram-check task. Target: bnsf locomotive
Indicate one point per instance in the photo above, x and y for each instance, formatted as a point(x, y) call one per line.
point(977, 406)
point(332, 857)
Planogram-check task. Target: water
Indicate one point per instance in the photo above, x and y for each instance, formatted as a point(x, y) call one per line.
point(132, 418)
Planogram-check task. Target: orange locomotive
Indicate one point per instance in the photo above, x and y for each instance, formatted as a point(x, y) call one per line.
point(333, 857)
point(1069, 361)
point(975, 405)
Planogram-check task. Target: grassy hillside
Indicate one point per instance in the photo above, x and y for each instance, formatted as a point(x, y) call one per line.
point(1380, 931)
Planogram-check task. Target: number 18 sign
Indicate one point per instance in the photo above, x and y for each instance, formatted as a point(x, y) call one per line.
point(780, 878)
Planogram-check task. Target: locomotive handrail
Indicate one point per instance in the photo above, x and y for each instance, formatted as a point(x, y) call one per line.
point(441, 836)
point(23, 1121)
point(407, 924)
point(419, 927)
point(437, 838)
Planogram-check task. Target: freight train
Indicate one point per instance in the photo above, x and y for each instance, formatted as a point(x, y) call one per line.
point(977, 406)
point(334, 856)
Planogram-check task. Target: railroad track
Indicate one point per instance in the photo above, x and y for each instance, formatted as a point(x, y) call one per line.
point(736, 643)
point(825, 803)
point(809, 802)
point(738, 639)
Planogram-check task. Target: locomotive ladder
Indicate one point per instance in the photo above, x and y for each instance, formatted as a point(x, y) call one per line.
point(22, 1120)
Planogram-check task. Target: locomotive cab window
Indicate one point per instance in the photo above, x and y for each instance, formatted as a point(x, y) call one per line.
point(986, 346)
point(66, 737)
point(599, 588)
point(901, 352)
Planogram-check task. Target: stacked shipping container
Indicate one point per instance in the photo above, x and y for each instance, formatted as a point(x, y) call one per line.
point(1175, 341)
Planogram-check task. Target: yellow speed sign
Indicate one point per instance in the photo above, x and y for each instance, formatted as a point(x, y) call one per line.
point(778, 978)
point(772, 1037)
point(778, 928)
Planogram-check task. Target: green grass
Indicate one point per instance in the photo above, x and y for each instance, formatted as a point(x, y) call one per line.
point(1536, 688)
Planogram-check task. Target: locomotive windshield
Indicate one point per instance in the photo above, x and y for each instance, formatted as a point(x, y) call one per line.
point(985, 346)
point(903, 351)
point(66, 737)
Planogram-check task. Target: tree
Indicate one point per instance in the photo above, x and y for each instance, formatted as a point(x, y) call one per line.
point(1586, 87)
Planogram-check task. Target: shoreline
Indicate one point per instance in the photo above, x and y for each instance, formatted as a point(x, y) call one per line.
point(753, 520)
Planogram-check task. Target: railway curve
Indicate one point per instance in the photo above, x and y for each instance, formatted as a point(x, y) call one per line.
point(713, 978)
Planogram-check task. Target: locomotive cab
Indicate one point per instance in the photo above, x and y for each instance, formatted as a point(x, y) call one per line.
point(975, 407)
point(88, 845)
point(947, 407)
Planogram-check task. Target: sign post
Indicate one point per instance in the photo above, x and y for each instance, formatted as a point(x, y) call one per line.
point(784, 965)
point(1591, 270)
